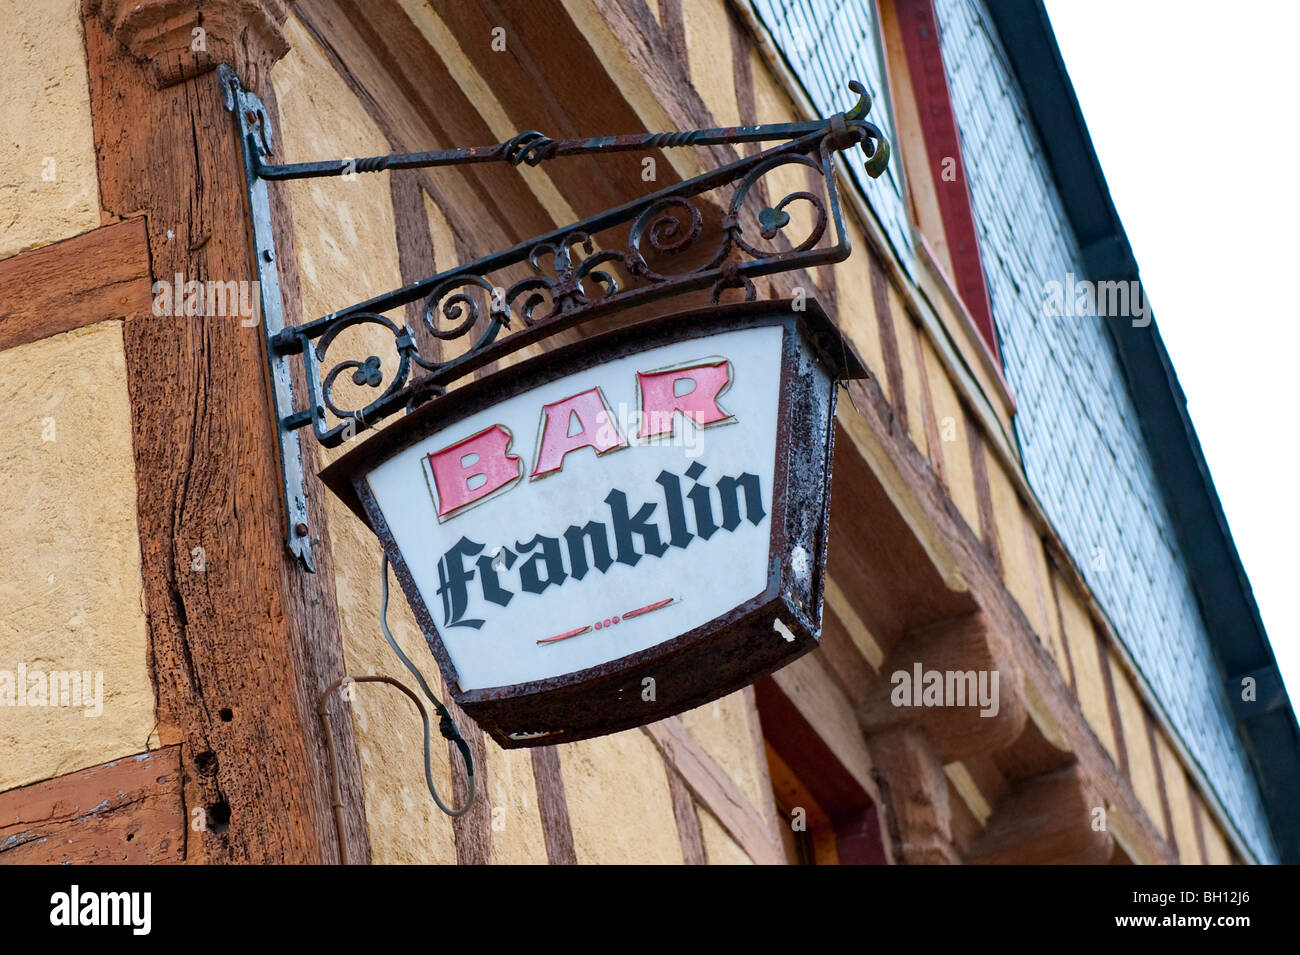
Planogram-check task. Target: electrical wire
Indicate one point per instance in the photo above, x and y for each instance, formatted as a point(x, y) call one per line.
point(446, 725)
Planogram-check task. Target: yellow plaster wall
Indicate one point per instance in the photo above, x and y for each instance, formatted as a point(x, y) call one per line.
point(719, 847)
point(954, 446)
point(345, 234)
point(724, 729)
point(1180, 803)
point(620, 807)
point(905, 333)
point(49, 186)
point(1043, 582)
point(516, 821)
point(70, 586)
point(856, 310)
point(772, 105)
point(1024, 562)
point(334, 219)
point(334, 222)
point(1018, 572)
point(1216, 846)
point(708, 45)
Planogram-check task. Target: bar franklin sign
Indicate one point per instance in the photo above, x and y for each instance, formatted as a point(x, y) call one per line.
point(620, 529)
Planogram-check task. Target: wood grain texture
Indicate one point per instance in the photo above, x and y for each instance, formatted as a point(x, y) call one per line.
point(97, 275)
point(316, 623)
point(673, 25)
point(715, 790)
point(553, 806)
point(240, 649)
point(158, 32)
point(1049, 821)
point(128, 811)
point(915, 794)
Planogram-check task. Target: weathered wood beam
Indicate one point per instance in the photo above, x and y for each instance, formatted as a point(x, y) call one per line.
point(241, 640)
point(961, 657)
point(689, 832)
point(97, 275)
point(128, 811)
point(915, 794)
point(553, 806)
point(1052, 819)
point(872, 439)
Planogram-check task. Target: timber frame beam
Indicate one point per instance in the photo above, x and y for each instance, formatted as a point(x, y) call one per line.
point(240, 643)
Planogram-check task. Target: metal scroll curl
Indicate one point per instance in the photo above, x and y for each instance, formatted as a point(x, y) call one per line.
point(366, 372)
point(647, 249)
point(582, 270)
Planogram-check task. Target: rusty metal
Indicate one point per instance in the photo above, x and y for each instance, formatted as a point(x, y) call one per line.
point(716, 658)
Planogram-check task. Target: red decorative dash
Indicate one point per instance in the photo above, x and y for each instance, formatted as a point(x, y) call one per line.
point(566, 636)
point(648, 608)
point(608, 622)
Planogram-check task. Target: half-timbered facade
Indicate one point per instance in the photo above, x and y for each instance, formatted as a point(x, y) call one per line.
point(1017, 490)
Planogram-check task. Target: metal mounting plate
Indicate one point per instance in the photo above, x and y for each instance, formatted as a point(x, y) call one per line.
point(255, 145)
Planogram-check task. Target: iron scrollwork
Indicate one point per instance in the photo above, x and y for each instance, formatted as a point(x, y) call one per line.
point(573, 279)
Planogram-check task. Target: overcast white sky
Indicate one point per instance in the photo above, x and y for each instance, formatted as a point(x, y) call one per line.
point(1193, 112)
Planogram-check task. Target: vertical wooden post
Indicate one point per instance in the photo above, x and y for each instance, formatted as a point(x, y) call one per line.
point(241, 639)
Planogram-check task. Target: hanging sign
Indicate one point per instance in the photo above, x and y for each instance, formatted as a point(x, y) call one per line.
point(617, 530)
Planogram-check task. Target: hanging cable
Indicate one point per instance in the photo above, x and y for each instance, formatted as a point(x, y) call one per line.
point(446, 725)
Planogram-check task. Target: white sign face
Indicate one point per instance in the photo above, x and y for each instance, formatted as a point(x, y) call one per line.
point(595, 516)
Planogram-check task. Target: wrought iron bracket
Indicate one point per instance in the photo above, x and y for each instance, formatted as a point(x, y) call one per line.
point(579, 286)
point(255, 144)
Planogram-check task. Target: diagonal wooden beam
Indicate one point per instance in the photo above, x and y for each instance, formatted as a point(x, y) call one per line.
point(715, 790)
point(241, 641)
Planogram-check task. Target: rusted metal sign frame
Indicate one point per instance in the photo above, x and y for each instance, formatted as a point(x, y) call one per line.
point(711, 660)
point(578, 287)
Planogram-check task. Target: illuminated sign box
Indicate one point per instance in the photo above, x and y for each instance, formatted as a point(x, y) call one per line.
point(620, 529)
